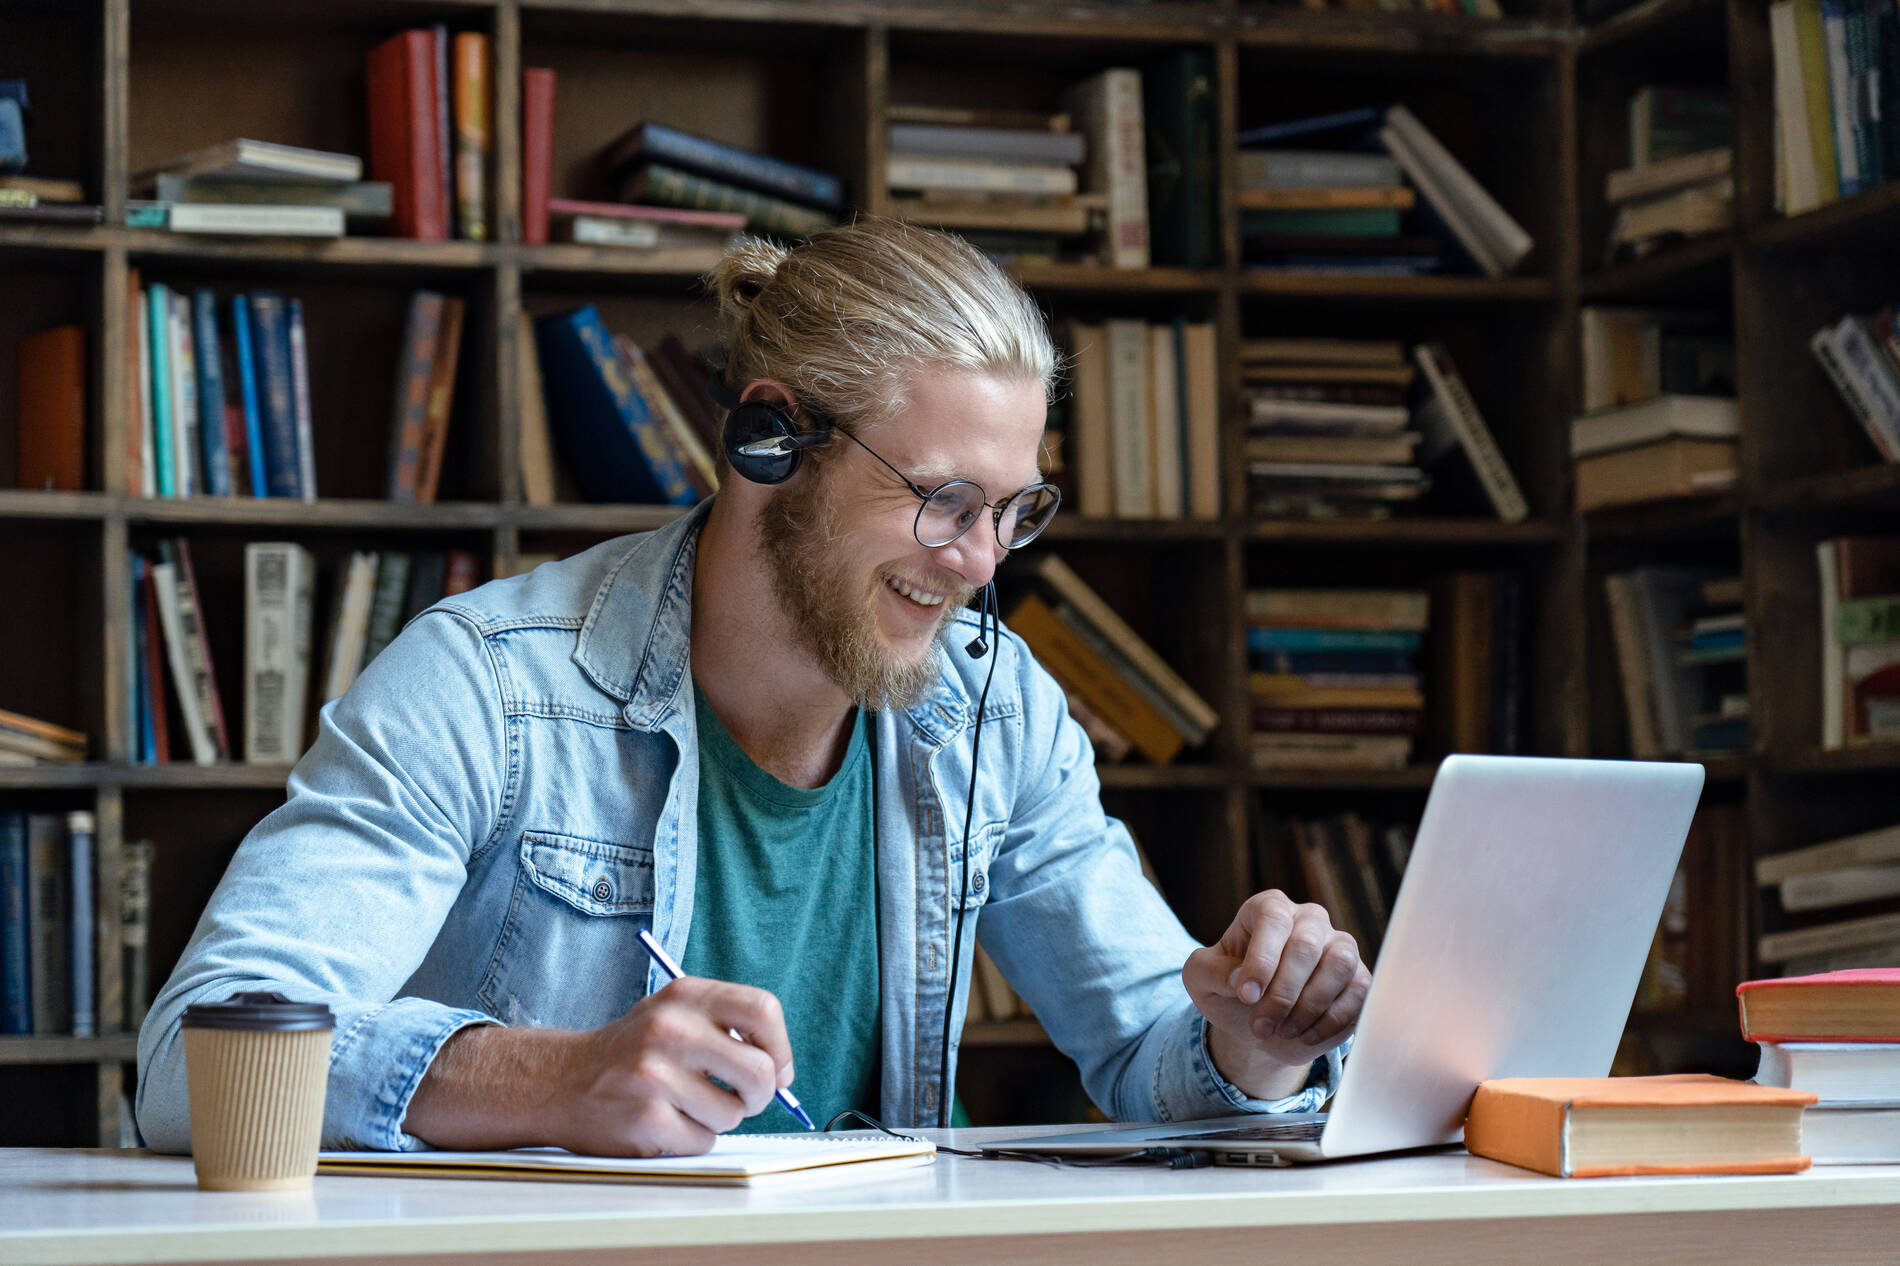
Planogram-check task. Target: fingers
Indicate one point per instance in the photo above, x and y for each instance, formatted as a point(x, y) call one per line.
point(1294, 968)
point(754, 1013)
point(1339, 1018)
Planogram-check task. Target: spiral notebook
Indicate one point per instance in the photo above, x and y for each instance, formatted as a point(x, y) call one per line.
point(734, 1159)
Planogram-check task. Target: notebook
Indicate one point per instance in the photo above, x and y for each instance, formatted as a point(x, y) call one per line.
point(735, 1159)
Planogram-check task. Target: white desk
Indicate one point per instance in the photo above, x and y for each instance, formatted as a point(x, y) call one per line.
point(69, 1206)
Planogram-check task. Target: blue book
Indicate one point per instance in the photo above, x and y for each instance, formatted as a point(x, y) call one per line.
point(159, 318)
point(16, 994)
point(1275, 639)
point(606, 433)
point(247, 385)
point(1346, 129)
point(1305, 663)
point(145, 727)
point(276, 391)
point(657, 143)
point(79, 920)
point(216, 453)
point(1718, 640)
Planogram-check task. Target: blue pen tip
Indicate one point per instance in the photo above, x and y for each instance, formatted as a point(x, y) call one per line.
point(803, 1119)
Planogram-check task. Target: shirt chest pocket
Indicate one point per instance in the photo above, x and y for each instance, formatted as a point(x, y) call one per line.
point(984, 842)
point(593, 876)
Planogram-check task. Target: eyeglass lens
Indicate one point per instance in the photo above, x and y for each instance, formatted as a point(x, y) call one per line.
point(950, 511)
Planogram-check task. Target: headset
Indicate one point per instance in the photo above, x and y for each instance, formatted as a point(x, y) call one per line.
point(766, 445)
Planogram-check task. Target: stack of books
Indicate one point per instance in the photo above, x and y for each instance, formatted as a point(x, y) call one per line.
point(429, 133)
point(1352, 866)
point(1835, 1036)
point(1825, 891)
point(26, 740)
point(48, 978)
point(1861, 355)
point(627, 425)
point(1859, 580)
point(1329, 432)
point(1006, 180)
point(1120, 690)
point(1659, 416)
point(1680, 179)
point(1836, 131)
point(1334, 679)
point(32, 198)
point(657, 165)
point(1681, 655)
point(1143, 428)
point(260, 188)
point(687, 241)
point(1315, 200)
point(375, 594)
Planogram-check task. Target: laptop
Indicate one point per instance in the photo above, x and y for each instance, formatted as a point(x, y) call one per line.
point(1515, 944)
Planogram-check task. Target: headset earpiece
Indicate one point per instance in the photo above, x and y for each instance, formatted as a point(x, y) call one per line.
point(763, 444)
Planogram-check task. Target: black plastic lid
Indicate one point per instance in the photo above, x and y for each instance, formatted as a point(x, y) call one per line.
point(259, 1012)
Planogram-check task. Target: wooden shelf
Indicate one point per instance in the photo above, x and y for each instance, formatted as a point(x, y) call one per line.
point(1411, 778)
point(1647, 19)
point(1708, 515)
point(1868, 757)
point(1277, 26)
point(1162, 778)
point(172, 776)
point(1864, 222)
point(1415, 289)
point(1138, 24)
point(1699, 262)
point(1411, 532)
point(1094, 279)
point(1862, 486)
point(246, 512)
point(112, 1049)
point(55, 505)
point(1073, 527)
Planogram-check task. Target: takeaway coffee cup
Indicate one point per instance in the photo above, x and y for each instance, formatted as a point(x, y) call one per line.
point(255, 1067)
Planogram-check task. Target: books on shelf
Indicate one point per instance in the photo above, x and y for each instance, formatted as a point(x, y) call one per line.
point(1653, 421)
point(537, 151)
point(666, 166)
point(50, 387)
point(1836, 132)
point(247, 159)
point(666, 236)
point(1097, 658)
point(1144, 431)
point(1633, 354)
point(1365, 706)
point(1840, 1006)
point(1675, 466)
point(279, 594)
point(1643, 225)
point(1347, 863)
point(1107, 108)
point(429, 133)
point(29, 740)
point(1594, 1127)
point(1450, 423)
point(49, 932)
point(1861, 355)
point(1668, 121)
point(1860, 655)
point(1682, 663)
point(1679, 182)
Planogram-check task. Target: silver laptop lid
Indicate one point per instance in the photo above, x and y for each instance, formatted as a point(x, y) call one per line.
point(1515, 945)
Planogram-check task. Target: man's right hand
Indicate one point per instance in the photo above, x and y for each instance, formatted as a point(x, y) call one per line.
point(640, 1086)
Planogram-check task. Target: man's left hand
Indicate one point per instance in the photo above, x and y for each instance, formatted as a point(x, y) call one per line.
point(1279, 989)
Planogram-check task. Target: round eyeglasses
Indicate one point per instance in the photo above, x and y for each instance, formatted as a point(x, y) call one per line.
point(951, 509)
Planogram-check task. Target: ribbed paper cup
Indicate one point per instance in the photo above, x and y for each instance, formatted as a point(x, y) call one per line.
point(256, 1088)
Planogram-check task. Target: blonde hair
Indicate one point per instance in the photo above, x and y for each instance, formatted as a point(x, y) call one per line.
point(844, 318)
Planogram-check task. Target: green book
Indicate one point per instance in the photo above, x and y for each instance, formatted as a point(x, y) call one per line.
point(1344, 222)
point(1178, 109)
point(666, 186)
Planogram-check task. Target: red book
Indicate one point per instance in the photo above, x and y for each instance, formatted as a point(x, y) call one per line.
point(209, 699)
point(1837, 1006)
point(155, 669)
point(52, 410)
point(537, 152)
point(464, 573)
point(435, 426)
point(405, 141)
point(412, 394)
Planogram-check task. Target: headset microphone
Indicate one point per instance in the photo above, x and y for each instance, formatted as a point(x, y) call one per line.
point(977, 648)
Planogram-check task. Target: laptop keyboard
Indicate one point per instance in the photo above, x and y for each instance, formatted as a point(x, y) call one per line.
point(1284, 1132)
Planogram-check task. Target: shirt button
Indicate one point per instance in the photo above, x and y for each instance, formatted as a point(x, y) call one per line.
point(978, 882)
point(603, 891)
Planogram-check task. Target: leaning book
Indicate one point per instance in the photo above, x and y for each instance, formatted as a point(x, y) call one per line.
point(735, 1160)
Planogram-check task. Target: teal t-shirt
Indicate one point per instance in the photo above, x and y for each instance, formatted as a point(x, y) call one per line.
point(786, 900)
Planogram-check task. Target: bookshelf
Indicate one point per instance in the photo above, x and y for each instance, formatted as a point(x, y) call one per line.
point(1524, 101)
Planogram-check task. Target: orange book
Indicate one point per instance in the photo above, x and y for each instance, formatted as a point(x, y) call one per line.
point(1601, 1127)
point(52, 410)
point(1836, 1006)
point(435, 428)
point(1070, 659)
point(470, 78)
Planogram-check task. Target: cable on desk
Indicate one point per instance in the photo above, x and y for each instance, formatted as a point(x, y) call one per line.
point(1156, 1157)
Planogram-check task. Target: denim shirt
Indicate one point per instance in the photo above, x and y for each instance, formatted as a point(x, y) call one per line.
point(509, 793)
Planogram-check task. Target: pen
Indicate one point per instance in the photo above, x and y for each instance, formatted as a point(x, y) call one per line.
point(673, 972)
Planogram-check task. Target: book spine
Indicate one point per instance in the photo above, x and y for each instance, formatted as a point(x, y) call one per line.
point(247, 387)
point(270, 336)
point(404, 143)
point(82, 927)
point(204, 675)
point(215, 453)
point(1439, 201)
point(537, 442)
point(135, 922)
point(146, 417)
point(741, 167)
point(386, 601)
point(662, 457)
point(186, 462)
point(138, 386)
point(676, 187)
point(300, 402)
point(1262, 640)
point(537, 152)
point(138, 691)
point(471, 135)
point(1840, 95)
point(1199, 361)
point(279, 587)
point(1126, 341)
point(350, 634)
point(48, 901)
point(237, 442)
point(1109, 108)
point(929, 171)
point(1339, 720)
point(1315, 169)
point(1504, 238)
point(1473, 436)
point(178, 640)
point(51, 389)
point(435, 426)
point(697, 461)
point(1090, 426)
point(156, 714)
point(158, 328)
point(412, 394)
point(1163, 424)
point(1084, 632)
point(1863, 360)
point(1105, 690)
point(16, 990)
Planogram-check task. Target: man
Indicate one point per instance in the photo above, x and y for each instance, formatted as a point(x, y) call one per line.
point(756, 731)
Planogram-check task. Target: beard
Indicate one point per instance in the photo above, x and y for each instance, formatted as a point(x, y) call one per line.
point(834, 613)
